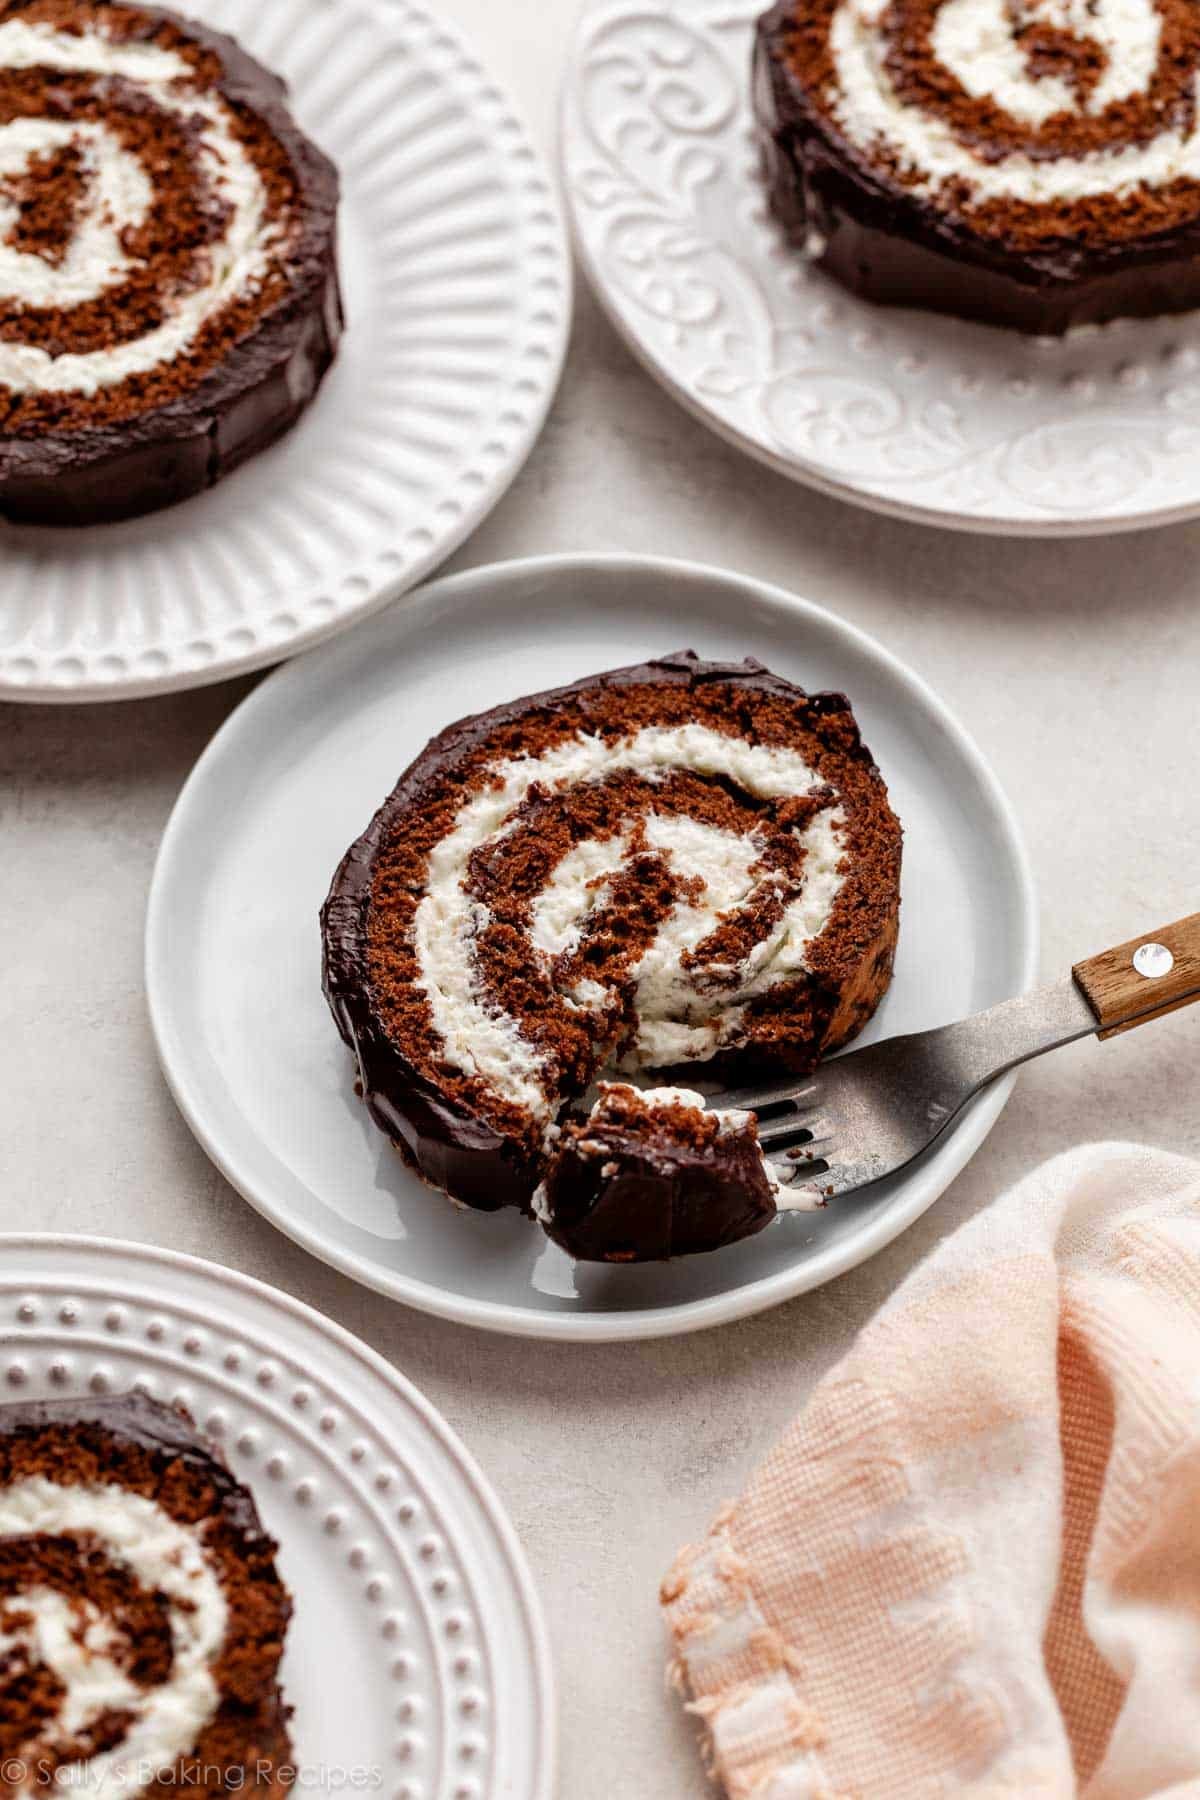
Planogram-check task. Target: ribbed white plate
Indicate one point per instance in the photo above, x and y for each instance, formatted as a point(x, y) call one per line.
point(233, 946)
point(417, 1653)
point(457, 288)
point(929, 418)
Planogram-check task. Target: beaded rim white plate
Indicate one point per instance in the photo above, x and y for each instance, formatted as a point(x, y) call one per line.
point(457, 285)
point(922, 417)
point(391, 1540)
point(233, 951)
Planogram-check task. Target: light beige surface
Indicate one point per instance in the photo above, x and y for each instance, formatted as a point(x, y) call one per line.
point(1075, 666)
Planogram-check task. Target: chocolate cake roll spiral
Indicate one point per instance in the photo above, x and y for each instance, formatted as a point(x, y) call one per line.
point(141, 1618)
point(1046, 151)
point(673, 865)
point(168, 290)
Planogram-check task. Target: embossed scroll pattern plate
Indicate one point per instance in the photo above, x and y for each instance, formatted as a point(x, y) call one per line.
point(417, 1661)
point(930, 418)
point(457, 289)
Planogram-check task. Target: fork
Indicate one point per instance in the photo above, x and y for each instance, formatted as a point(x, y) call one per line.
point(869, 1113)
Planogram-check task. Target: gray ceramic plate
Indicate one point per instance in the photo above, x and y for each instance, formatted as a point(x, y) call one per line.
point(233, 951)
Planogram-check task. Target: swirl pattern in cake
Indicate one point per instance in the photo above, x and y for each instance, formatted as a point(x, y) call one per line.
point(141, 1617)
point(675, 865)
point(167, 259)
point(1027, 162)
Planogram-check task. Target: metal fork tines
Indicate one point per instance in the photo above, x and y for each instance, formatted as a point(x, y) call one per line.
point(867, 1114)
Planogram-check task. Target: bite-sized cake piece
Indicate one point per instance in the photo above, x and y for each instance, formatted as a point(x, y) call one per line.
point(676, 864)
point(649, 1174)
point(1031, 163)
point(141, 1615)
point(168, 260)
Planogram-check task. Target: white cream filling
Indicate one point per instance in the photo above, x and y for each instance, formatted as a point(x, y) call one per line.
point(730, 1119)
point(679, 1021)
point(665, 990)
point(39, 46)
point(119, 195)
point(675, 1005)
point(975, 41)
point(117, 188)
point(164, 1556)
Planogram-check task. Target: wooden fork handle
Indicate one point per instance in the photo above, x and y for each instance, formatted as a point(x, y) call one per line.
point(1144, 979)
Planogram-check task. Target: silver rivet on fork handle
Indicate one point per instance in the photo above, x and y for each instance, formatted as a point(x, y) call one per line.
point(1153, 961)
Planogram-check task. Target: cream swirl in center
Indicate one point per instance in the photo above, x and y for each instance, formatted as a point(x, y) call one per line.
point(680, 1016)
point(980, 42)
point(76, 1645)
point(981, 46)
point(118, 196)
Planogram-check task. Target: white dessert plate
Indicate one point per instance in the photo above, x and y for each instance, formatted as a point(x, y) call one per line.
point(457, 288)
point(924, 417)
point(292, 778)
point(394, 1547)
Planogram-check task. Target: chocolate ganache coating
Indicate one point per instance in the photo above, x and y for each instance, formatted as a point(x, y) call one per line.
point(674, 864)
point(1046, 181)
point(164, 1435)
point(175, 300)
point(647, 1177)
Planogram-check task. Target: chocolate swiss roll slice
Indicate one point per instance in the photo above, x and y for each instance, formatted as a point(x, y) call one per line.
point(650, 1174)
point(141, 1614)
point(677, 866)
point(168, 261)
point(1031, 163)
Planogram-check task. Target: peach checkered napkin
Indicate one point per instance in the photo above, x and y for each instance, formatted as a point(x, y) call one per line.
point(972, 1566)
